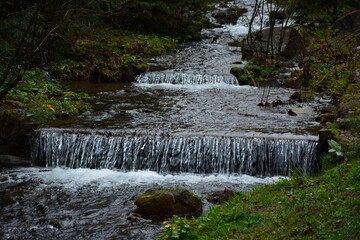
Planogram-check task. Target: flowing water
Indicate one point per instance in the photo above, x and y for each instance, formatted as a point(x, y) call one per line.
point(185, 124)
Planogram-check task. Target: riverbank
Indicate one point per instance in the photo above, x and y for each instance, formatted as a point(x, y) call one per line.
point(324, 207)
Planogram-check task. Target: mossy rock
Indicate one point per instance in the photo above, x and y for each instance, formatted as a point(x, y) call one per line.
point(168, 202)
point(242, 77)
point(237, 71)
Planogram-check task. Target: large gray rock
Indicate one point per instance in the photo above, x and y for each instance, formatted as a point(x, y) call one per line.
point(168, 202)
point(284, 41)
point(348, 23)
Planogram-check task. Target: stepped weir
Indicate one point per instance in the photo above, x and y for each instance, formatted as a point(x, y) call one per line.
point(173, 154)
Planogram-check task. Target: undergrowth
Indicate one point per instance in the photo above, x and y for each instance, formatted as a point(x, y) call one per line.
point(39, 100)
point(111, 55)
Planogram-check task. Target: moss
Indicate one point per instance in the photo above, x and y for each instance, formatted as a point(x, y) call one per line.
point(253, 73)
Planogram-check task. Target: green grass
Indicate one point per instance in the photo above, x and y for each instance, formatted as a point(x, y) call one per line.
point(325, 207)
point(38, 100)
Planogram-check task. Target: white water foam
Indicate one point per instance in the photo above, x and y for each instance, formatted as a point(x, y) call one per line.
point(193, 88)
point(102, 178)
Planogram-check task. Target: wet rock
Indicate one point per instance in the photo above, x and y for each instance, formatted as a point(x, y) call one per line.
point(14, 161)
point(15, 135)
point(168, 202)
point(221, 196)
point(134, 217)
point(348, 23)
point(291, 112)
point(230, 15)
point(285, 41)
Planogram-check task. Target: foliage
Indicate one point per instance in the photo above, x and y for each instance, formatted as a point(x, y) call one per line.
point(108, 55)
point(24, 28)
point(329, 60)
point(40, 101)
point(325, 10)
point(36, 33)
point(335, 148)
point(177, 229)
point(172, 17)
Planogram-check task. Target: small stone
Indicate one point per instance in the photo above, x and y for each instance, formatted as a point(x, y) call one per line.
point(291, 112)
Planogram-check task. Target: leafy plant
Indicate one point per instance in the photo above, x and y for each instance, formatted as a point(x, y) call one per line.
point(177, 229)
point(39, 100)
point(335, 148)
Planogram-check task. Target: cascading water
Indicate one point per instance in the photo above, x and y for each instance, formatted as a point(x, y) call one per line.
point(183, 78)
point(187, 126)
point(166, 154)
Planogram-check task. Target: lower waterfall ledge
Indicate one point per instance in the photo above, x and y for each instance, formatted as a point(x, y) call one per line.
point(170, 154)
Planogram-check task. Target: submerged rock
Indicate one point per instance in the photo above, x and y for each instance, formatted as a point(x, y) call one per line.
point(168, 202)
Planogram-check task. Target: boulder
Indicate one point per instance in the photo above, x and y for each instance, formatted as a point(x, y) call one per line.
point(348, 23)
point(284, 41)
point(168, 202)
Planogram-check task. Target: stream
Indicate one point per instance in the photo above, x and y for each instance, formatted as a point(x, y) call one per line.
point(185, 124)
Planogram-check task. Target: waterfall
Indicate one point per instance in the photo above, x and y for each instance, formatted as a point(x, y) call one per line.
point(173, 154)
point(184, 78)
